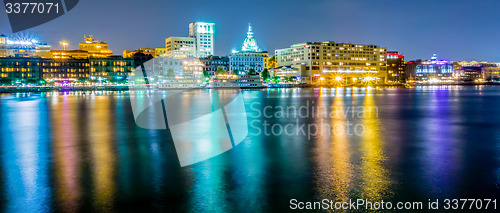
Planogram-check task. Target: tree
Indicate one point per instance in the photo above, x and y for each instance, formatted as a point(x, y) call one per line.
point(271, 62)
point(206, 74)
point(265, 74)
point(6, 81)
point(251, 72)
point(170, 73)
point(235, 72)
point(220, 71)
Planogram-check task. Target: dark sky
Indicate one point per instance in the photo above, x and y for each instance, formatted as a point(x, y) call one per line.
point(455, 30)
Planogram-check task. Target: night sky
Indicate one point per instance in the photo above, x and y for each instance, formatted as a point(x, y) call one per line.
point(455, 30)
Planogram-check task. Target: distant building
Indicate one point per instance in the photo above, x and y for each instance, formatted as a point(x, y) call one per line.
point(69, 54)
point(23, 47)
point(96, 49)
point(180, 47)
point(469, 73)
point(433, 69)
point(395, 66)
point(203, 33)
point(160, 51)
point(51, 69)
point(213, 63)
point(328, 61)
point(250, 56)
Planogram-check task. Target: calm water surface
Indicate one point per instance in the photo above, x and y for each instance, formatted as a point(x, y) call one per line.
point(69, 152)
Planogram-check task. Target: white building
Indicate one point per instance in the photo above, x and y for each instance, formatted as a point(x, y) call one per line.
point(204, 36)
point(180, 47)
point(250, 56)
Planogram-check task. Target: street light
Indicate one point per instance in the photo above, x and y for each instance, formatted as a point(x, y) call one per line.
point(64, 44)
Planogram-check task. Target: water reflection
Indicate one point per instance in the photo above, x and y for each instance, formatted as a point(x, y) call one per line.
point(25, 155)
point(336, 169)
point(66, 155)
point(102, 153)
point(83, 152)
point(374, 175)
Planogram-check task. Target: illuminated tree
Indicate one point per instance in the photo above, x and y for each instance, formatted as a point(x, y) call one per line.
point(251, 72)
point(265, 75)
point(220, 71)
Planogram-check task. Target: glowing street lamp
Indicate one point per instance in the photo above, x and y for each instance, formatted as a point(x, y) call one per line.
point(338, 78)
point(64, 44)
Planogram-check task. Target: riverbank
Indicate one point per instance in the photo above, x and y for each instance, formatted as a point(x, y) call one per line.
point(15, 89)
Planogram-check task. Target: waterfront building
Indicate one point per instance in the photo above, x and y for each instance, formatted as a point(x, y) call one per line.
point(395, 66)
point(469, 73)
point(250, 56)
point(212, 63)
point(180, 47)
point(96, 49)
point(325, 61)
point(23, 47)
point(203, 33)
point(69, 69)
point(20, 67)
point(289, 72)
point(432, 70)
point(112, 68)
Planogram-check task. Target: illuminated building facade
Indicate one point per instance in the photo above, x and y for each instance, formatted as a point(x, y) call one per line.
point(69, 54)
point(250, 44)
point(429, 70)
point(20, 67)
point(329, 60)
point(250, 56)
point(203, 33)
point(23, 47)
point(180, 47)
point(213, 63)
point(111, 67)
point(469, 73)
point(96, 49)
point(65, 69)
point(395, 66)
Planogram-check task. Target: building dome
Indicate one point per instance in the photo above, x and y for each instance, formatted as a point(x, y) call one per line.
point(250, 44)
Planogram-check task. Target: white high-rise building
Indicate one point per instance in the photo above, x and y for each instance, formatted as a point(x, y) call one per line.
point(204, 36)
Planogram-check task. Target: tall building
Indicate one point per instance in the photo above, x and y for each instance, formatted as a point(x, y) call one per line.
point(203, 33)
point(328, 60)
point(180, 47)
point(95, 48)
point(395, 66)
point(250, 56)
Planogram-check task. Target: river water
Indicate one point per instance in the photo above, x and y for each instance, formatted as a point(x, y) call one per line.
point(82, 151)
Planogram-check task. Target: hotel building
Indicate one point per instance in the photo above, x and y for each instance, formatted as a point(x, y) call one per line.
point(328, 60)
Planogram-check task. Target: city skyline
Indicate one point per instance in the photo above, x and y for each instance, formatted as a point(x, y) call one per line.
point(452, 36)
